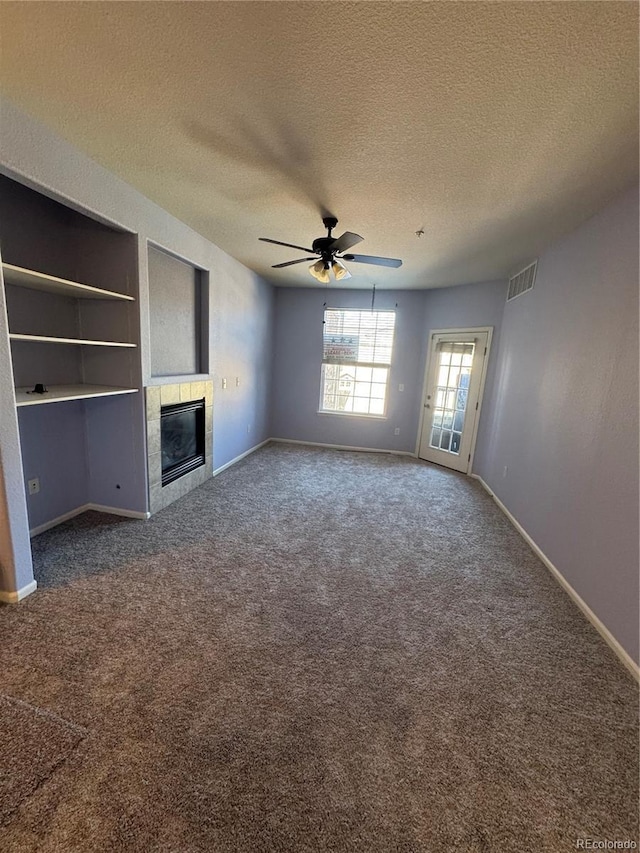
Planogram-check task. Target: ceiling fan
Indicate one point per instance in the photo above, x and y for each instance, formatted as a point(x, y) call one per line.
point(331, 253)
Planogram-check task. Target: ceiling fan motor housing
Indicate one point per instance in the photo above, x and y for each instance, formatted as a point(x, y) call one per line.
point(322, 245)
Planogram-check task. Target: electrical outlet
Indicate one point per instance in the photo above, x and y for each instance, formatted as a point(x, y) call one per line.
point(504, 472)
point(396, 431)
point(224, 384)
point(34, 485)
point(400, 387)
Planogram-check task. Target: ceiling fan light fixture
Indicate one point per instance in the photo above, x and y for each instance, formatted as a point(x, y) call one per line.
point(320, 271)
point(340, 271)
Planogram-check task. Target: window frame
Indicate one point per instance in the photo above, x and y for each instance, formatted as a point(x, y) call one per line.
point(355, 364)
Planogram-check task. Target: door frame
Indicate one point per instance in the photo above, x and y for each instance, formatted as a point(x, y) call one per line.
point(483, 377)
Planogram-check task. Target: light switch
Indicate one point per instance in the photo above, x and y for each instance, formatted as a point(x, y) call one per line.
point(400, 387)
point(224, 383)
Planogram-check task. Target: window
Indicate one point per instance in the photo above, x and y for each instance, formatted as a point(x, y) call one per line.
point(356, 359)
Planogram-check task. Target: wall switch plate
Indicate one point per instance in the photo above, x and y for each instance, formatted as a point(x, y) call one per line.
point(504, 471)
point(34, 485)
point(401, 387)
point(224, 383)
point(237, 381)
point(396, 431)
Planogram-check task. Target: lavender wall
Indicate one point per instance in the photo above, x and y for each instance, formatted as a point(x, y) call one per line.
point(174, 311)
point(242, 338)
point(564, 414)
point(298, 354)
point(53, 442)
point(297, 357)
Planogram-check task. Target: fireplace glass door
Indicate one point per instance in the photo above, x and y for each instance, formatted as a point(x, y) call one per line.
point(182, 439)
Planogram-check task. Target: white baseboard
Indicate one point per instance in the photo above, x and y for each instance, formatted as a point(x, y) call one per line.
point(241, 456)
point(112, 510)
point(15, 597)
point(343, 447)
point(59, 520)
point(600, 627)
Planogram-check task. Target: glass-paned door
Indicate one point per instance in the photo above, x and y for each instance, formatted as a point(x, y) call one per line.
point(455, 370)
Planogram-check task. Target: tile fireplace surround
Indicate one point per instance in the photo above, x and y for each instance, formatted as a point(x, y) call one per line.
point(165, 395)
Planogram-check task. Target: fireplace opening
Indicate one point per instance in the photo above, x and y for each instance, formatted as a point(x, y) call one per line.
point(181, 439)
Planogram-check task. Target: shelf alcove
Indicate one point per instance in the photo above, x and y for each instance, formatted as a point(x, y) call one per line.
point(71, 290)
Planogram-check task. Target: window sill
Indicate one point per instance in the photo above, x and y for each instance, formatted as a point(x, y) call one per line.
point(353, 415)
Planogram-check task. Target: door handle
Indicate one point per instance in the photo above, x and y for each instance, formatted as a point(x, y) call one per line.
point(427, 406)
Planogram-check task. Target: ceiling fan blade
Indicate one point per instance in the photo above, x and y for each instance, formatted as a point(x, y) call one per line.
point(345, 241)
point(288, 263)
point(371, 259)
point(289, 245)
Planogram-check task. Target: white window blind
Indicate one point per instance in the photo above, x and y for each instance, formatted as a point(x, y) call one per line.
point(456, 348)
point(357, 348)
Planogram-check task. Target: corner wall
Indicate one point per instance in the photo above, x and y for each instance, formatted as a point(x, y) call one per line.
point(16, 572)
point(297, 357)
point(563, 414)
point(297, 360)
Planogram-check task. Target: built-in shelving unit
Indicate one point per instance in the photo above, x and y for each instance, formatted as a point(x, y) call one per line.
point(22, 277)
point(33, 280)
point(69, 308)
point(65, 393)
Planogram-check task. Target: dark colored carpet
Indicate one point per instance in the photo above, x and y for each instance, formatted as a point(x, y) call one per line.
point(316, 651)
point(35, 743)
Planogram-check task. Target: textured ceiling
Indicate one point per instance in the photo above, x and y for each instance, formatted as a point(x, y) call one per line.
point(492, 126)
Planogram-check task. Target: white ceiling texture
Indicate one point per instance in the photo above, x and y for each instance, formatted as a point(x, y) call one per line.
point(491, 127)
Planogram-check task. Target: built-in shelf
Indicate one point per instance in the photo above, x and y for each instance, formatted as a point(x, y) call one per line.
point(46, 339)
point(75, 339)
point(22, 277)
point(63, 393)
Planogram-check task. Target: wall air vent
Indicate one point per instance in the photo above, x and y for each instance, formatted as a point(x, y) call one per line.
point(522, 281)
